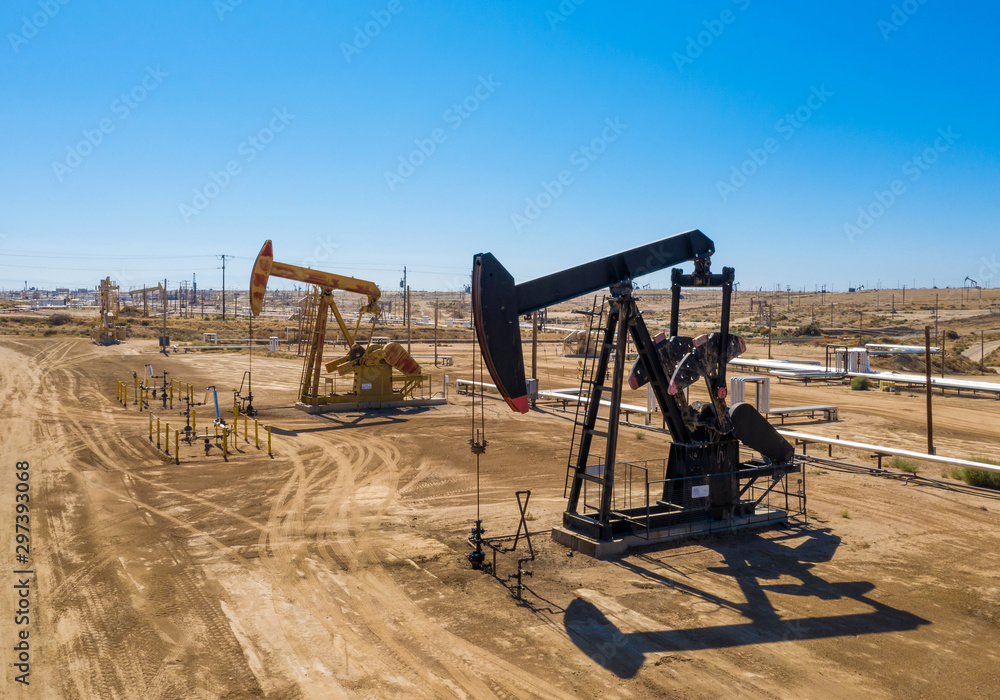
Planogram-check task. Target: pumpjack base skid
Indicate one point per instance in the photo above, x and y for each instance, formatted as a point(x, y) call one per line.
point(618, 545)
point(366, 405)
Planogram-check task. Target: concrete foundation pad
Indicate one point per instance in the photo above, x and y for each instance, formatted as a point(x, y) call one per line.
point(609, 549)
point(367, 405)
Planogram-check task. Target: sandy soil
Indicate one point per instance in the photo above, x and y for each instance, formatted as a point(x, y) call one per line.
point(338, 567)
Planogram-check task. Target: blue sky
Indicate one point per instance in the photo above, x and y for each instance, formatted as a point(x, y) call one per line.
point(814, 143)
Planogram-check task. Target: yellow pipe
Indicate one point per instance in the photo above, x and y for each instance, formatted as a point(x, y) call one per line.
point(157, 432)
point(194, 418)
point(135, 378)
point(245, 428)
point(166, 438)
point(177, 447)
point(236, 412)
point(150, 427)
point(225, 447)
point(268, 441)
point(256, 435)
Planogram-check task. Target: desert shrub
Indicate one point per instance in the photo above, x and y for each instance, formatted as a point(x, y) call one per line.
point(59, 319)
point(978, 477)
point(809, 329)
point(901, 464)
point(859, 383)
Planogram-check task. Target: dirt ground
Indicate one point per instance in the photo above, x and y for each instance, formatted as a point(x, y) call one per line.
point(338, 567)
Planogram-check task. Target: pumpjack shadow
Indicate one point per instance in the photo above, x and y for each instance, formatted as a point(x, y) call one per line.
point(750, 562)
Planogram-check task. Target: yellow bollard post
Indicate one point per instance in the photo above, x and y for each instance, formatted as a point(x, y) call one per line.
point(135, 377)
point(150, 427)
point(166, 438)
point(225, 447)
point(245, 428)
point(216, 430)
point(194, 418)
point(177, 447)
point(157, 432)
point(171, 389)
point(190, 393)
point(268, 441)
point(256, 435)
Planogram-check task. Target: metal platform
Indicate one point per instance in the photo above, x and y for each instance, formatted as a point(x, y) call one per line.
point(367, 405)
point(608, 549)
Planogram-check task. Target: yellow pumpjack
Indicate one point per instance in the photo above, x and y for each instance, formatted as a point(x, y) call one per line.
point(385, 376)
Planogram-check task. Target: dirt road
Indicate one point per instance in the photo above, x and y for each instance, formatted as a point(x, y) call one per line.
point(337, 568)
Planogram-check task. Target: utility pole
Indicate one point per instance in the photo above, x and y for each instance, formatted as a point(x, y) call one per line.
point(534, 350)
point(435, 332)
point(927, 367)
point(223, 258)
point(935, 315)
point(769, 333)
point(407, 319)
point(406, 292)
point(163, 337)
